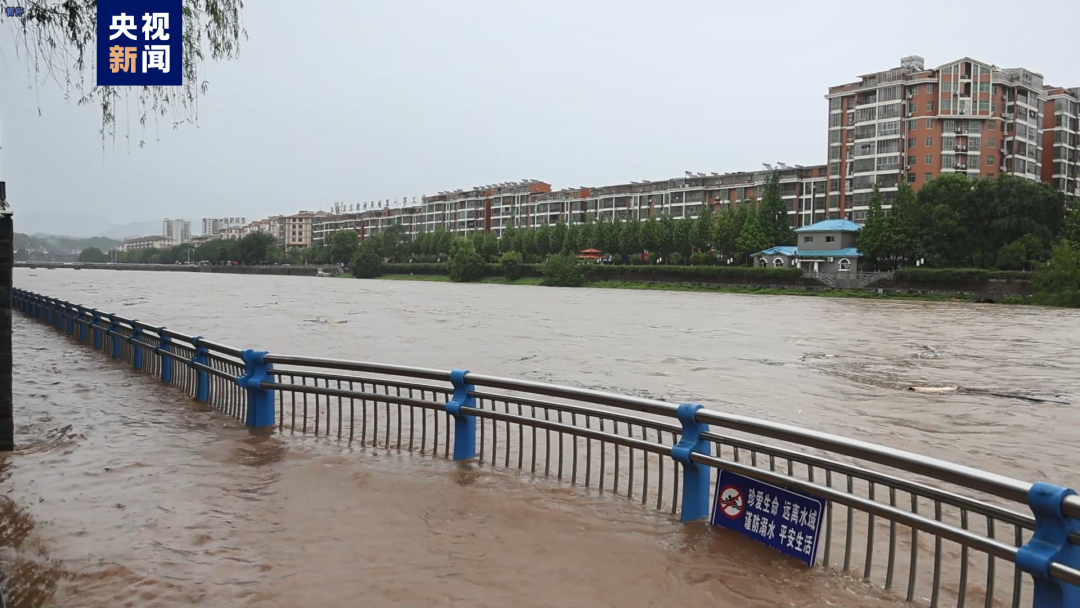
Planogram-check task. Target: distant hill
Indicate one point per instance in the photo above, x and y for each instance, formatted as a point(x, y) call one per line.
point(77, 225)
point(60, 244)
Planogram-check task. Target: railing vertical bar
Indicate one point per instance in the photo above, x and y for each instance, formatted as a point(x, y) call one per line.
point(990, 565)
point(892, 543)
point(936, 590)
point(869, 537)
point(588, 454)
point(962, 594)
point(506, 454)
point(1018, 575)
point(848, 537)
point(558, 418)
point(913, 563)
point(399, 417)
point(573, 466)
point(645, 467)
point(828, 514)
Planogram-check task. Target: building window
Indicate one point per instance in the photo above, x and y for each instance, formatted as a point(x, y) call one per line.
point(991, 143)
point(762, 263)
point(927, 177)
point(929, 106)
point(845, 265)
point(929, 142)
point(990, 160)
point(929, 123)
point(929, 159)
point(808, 239)
point(993, 125)
point(830, 239)
point(914, 89)
point(778, 262)
point(911, 143)
point(911, 178)
point(974, 143)
point(834, 120)
point(910, 160)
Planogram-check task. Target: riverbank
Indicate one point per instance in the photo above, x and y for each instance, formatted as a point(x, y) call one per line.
point(865, 294)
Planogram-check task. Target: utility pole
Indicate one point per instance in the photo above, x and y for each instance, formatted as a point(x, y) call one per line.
point(7, 264)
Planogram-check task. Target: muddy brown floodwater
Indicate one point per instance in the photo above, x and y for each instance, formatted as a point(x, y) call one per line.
point(125, 493)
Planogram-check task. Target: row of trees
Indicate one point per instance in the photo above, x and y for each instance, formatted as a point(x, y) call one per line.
point(733, 234)
point(953, 222)
point(1006, 222)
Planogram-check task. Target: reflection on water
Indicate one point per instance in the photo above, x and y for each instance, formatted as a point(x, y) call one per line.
point(125, 493)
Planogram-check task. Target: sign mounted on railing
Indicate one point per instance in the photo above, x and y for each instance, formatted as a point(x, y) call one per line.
point(776, 517)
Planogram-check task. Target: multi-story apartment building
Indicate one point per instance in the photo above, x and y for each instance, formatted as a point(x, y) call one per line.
point(1061, 139)
point(213, 225)
point(914, 123)
point(177, 231)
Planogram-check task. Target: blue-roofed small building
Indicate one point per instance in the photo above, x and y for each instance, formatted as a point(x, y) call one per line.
point(827, 246)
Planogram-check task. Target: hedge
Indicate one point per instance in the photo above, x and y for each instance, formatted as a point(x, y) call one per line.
point(659, 273)
point(957, 275)
point(654, 271)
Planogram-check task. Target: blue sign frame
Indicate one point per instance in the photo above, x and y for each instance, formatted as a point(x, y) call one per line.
point(776, 517)
point(140, 43)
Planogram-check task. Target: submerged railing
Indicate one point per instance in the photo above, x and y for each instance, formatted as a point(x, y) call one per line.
point(931, 531)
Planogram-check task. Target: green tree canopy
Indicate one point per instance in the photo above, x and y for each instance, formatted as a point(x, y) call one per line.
point(775, 224)
point(93, 255)
point(343, 246)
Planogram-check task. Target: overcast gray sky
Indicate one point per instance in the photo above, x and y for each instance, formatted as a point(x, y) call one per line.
point(357, 101)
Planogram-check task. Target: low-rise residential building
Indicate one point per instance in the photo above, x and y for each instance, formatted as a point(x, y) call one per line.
point(827, 246)
point(154, 241)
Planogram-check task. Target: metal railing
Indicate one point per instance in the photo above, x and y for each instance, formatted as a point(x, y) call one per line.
point(933, 532)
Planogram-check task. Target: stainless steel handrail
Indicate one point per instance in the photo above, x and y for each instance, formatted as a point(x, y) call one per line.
point(358, 366)
point(649, 406)
point(991, 483)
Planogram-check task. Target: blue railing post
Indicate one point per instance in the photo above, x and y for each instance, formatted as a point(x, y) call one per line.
point(695, 487)
point(135, 341)
point(260, 409)
point(165, 346)
point(202, 377)
point(96, 328)
point(464, 424)
point(114, 336)
point(69, 315)
point(1050, 544)
point(82, 324)
point(58, 316)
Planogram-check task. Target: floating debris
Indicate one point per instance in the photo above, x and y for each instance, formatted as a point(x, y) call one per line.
point(984, 392)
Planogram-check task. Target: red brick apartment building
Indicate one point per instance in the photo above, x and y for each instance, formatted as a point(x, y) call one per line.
point(964, 116)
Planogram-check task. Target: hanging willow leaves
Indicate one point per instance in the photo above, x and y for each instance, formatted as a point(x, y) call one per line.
point(57, 38)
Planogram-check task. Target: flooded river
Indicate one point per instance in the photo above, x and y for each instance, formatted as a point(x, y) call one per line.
point(125, 493)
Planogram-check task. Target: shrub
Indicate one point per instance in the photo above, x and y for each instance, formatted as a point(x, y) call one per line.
point(366, 264)
point(465, 264)
point(562, 270)
point(1058, 282)
point(675, 259)
point(510, 265)
point(701, 258)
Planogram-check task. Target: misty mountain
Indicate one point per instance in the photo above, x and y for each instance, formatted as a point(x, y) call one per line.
point(81, 226)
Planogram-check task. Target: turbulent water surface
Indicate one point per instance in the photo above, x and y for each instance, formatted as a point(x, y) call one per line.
point(126, 493)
